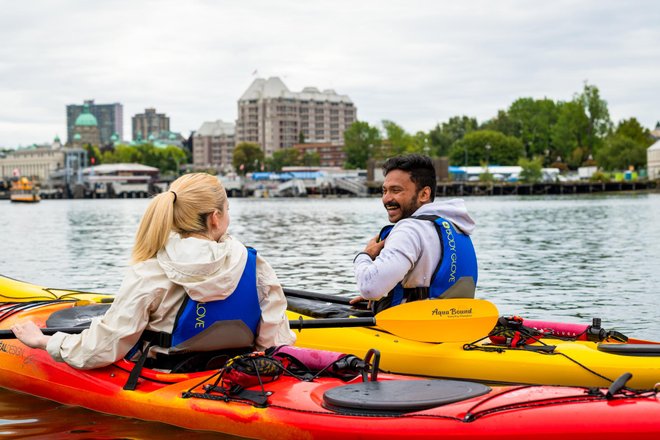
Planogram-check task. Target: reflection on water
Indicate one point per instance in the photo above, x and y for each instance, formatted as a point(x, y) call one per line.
point(561, 258)
point(50, 420)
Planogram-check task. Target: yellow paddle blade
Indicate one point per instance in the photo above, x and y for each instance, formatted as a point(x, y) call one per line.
point(440, 320)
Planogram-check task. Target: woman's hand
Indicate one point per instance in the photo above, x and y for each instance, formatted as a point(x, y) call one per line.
point(29, 334)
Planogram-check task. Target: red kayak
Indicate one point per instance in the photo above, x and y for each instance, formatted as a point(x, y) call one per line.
point(273, 396)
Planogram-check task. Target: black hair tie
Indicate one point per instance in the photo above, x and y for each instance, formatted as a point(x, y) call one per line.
point(174, 201)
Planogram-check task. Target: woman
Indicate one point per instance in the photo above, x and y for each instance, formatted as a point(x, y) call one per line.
point(189, 280)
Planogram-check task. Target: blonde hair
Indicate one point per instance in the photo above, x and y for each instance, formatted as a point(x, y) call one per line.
point(183, 209)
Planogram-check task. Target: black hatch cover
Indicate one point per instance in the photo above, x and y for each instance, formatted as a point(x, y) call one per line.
point(399, 396)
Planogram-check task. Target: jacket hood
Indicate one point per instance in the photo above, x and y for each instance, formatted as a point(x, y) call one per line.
point(453, 210)
point(203, 267)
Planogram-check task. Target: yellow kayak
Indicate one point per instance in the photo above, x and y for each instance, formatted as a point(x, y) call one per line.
point(547, 362)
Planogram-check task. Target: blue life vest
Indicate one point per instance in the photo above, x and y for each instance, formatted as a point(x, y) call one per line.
point(240, 308)
point(457, 260)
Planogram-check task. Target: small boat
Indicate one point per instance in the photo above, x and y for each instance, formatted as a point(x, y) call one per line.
point(23, 190)
point(266, 396)
point(568, 361)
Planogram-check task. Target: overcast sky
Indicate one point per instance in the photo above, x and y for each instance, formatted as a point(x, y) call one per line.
point(416, 63)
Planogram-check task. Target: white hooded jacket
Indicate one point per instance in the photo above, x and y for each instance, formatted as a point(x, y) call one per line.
point(411, 251)
point(152, 293)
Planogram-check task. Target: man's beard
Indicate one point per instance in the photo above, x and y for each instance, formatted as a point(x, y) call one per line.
point(407, 209)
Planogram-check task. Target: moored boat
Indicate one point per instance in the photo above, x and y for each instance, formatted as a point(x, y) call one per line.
point(362, 403)
point(23, 190)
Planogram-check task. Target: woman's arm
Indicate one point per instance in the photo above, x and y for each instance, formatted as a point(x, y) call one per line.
point(110, 337)
point(274, 326)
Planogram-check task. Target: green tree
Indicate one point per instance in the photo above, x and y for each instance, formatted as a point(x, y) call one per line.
point(171, 158)
point(397, 140)
point(444, 135)
point(311, 159)
point(360, 140)
point(502, 123)
point(122, 154)
point(167, 159)
point(473, 148)
point(625, 147)
point(93, 154)
point(532, 169)
point(568, 134)
point(150, 155)
point(532, 122)
point(631, 128)
point(248, 157)
point(598, 117)
point(284, 157)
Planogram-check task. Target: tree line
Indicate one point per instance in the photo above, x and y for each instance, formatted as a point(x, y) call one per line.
point(562, 134)
point(167, 159)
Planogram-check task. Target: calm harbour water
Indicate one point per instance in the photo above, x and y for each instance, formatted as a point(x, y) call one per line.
point(567, 258)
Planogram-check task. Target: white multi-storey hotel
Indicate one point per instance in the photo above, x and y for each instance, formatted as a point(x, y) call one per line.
point(272, 116)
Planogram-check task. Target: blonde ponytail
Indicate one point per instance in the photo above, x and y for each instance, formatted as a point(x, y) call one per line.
point(182, 209)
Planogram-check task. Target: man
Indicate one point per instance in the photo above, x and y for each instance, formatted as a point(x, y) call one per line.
point(427, 253)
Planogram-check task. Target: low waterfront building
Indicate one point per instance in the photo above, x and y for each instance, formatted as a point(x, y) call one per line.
point(271, 115)
point(653, 161)
point(40, 162)
point(126, 180)
point(213, 146)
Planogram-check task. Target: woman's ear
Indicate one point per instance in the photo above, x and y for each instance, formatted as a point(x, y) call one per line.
point(213, 220)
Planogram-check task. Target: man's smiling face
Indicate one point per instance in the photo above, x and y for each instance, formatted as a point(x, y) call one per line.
point(400, 196)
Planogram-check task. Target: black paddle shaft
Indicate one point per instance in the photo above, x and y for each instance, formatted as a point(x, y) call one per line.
point(301, 323)
point(297, 324)
point(8, 334)
point(335, 299)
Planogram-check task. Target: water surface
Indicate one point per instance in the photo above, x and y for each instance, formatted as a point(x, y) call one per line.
point(567, 258)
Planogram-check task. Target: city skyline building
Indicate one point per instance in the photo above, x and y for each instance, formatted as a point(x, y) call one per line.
point(85, 129)
point(149, 124)
point(271, 115)
point(110, 119)
point(213, 146)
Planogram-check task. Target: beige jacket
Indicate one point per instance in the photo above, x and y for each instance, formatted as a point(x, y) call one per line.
point(153, 291)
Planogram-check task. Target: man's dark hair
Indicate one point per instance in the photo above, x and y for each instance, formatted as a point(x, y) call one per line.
point(421, 170)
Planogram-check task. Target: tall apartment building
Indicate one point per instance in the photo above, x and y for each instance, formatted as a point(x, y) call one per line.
point(149, 123)
point(213, 146)
point(110, 119)
point(274, 117)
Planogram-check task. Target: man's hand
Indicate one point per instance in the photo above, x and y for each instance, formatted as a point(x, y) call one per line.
point(29, 334)
point(358, 303)
point(374, 247)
